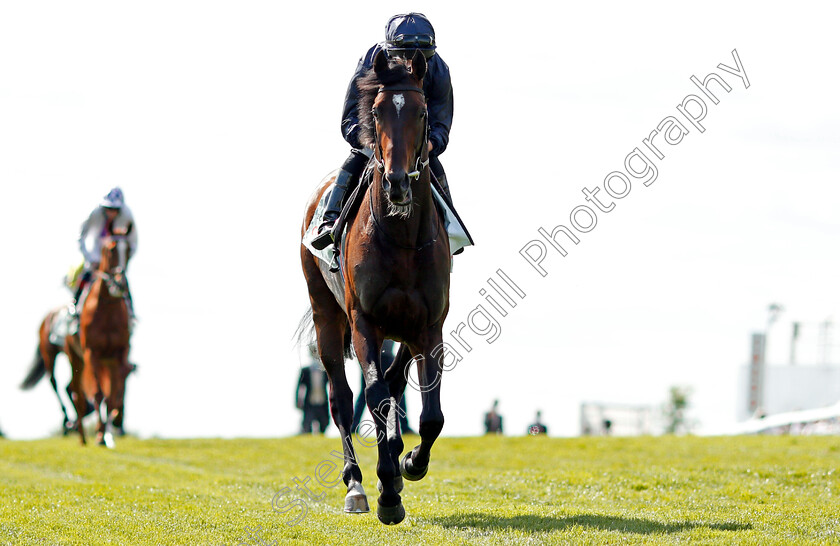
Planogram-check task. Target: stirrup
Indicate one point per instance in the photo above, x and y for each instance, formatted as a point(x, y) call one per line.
point(334, 265)
point(325, 238)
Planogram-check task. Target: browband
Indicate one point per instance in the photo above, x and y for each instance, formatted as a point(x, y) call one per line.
point(398, 88)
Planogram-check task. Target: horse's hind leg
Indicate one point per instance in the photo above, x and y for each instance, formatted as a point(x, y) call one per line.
point(66, 424)
point(331, 351)
point(49, 353)
point(415, 464)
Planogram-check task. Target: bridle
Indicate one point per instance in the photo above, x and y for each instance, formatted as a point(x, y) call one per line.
point(419, 164)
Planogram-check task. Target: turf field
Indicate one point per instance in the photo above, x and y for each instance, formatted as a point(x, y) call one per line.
point(491, 490)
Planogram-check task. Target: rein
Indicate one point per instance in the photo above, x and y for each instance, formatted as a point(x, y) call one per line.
point(394, 241)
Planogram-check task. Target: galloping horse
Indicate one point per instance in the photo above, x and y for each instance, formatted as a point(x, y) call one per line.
point(103, 341)
point(396, 267)
point(44, 364)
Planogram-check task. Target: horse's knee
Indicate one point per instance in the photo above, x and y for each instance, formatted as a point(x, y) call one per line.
point(378, 398)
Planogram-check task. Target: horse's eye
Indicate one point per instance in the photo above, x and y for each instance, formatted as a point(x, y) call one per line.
point(375, 114)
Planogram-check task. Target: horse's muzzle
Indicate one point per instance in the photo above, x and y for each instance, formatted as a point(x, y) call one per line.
point(398, 186)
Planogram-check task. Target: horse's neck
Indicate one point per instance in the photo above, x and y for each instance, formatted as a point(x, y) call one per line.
point(419, 228)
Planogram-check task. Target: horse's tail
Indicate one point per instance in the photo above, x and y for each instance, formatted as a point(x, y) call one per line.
point(305, 334)
point(305, 331)
point(36, 372)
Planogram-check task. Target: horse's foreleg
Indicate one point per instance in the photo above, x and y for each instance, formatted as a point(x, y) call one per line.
point(416, 463)
point(114, 389)
point(78, 393)
point(396, 378)
point(367, 344)
point(99, 382)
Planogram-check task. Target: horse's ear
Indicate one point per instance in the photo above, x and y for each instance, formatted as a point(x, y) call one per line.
point(418, 65)
point(380, 62)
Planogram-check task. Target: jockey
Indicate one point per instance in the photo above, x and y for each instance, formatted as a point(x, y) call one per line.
point(111, 214)
point(403, 35)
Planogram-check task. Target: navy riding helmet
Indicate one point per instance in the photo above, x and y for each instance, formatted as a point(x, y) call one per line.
point(408, 32)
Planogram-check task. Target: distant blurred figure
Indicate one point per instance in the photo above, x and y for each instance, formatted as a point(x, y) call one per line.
point(537, 427)
point(112, 214)
point(389, 351)
point(493, 421)
point(311, 395)
point(607, 427)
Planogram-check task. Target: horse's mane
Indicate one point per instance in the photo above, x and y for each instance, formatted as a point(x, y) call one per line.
point(368, 86)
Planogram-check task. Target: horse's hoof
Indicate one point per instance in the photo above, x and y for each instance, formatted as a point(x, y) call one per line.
point(398, 484)
point(355, 503)
point(390, 515)
point(409, 472)
point(106, 439)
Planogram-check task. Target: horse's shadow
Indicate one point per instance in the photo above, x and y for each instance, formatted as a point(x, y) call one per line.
point(534, 523)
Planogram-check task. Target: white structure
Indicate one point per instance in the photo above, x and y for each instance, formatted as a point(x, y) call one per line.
point(806, 422)
point(600, 419)
point(790, 388)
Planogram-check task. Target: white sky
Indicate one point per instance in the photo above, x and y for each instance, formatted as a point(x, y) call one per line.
point(218, 119)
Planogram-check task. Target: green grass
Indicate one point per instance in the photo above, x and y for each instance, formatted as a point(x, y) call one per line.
point(492, 490)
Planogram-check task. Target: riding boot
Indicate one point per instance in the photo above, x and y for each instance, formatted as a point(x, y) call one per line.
point(74, 310)
point(343, 181)
point(444, 185)
point(85, 278)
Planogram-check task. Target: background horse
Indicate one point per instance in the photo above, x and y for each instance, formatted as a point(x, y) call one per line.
point(396, 285)
point(44, 364)
point(103, 342)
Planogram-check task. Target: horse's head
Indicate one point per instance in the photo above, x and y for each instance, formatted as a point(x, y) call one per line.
point(393, 111)
point(114, 261)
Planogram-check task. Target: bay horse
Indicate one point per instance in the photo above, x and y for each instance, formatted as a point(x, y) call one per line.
point(396, 266)
point(44, 362)
point(100, 359)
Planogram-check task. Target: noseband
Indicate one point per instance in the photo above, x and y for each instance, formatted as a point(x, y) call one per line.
point(419, 165)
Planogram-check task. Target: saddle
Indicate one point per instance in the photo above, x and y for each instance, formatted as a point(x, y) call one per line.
point(459, 237)
point(61, 326)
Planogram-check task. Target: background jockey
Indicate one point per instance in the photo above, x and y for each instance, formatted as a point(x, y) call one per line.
point(111, 214)
point(403, 35)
